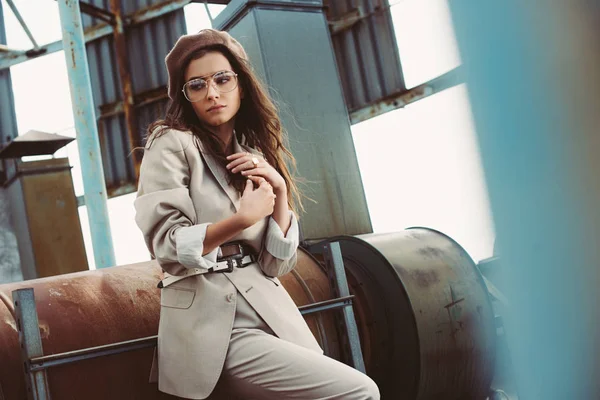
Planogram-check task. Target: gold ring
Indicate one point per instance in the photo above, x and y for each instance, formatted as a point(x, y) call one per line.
point(255, 161)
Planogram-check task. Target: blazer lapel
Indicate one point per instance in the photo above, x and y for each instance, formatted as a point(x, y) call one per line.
point(220, 173)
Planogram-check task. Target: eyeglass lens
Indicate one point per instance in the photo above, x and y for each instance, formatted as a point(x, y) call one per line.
point(196, 89)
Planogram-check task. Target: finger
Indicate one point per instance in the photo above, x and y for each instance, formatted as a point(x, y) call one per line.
point(249, 187)
point(239, 165)
point(256, 179)
point(264, 182)
point(245, 166)
point(266, 186)
point(255, 171)
point(239, 160)
point(235, 156)
point(235, 163)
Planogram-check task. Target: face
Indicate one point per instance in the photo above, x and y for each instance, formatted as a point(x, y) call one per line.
point(215, 107)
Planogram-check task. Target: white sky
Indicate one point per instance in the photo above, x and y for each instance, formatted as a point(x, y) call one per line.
point(430, 147)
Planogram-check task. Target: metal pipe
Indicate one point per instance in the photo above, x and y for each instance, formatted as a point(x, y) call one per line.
point(31, 343)
point(44, 362)
point(23, 24)
point(533, 73)
point(326, 305)
point(53, 360)
point(87, 132)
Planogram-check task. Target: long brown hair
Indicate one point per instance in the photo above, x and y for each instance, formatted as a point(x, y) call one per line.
point(257, 121)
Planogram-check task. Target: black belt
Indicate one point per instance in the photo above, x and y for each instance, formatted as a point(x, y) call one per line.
point(232, 254)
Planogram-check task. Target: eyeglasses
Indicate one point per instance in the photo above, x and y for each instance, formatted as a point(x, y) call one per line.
point(196, 89)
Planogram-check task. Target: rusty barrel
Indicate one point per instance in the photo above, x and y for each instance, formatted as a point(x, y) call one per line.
point(424, 314)
point(94, 308)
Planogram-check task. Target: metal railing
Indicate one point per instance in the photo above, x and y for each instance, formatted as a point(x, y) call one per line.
point(36, 363)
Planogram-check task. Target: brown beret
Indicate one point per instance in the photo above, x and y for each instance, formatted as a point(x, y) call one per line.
point(188, 44)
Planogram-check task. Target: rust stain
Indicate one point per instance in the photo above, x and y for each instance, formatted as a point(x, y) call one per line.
point(68, 304)
point(425, 278)
point(44, 330)
point(73, 56)
point(142, 293)
point(55, 293)
point(430, 252)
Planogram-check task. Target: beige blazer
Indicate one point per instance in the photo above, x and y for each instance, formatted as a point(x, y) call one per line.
point(181, 191)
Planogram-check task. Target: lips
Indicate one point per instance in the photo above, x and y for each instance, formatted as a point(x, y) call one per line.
point(216, 107)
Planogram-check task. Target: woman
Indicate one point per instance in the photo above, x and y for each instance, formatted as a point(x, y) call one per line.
point(215, 214)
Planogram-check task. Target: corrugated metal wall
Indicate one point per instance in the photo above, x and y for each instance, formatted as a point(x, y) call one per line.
point(366, 51)
point(147, 44)
point(362, 37)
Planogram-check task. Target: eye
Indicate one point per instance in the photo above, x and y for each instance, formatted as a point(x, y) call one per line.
point(196, 85)
point(222, 79)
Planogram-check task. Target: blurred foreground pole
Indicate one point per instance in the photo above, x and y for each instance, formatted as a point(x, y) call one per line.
point(87, 132)
point(533, 74)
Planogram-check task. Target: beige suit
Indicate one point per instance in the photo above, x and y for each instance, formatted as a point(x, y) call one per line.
point(181, 191)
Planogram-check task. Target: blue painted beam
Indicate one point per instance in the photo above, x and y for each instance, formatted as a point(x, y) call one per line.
point(401, 99)
point(87, 133)
point(14, 57)
point(10, 58)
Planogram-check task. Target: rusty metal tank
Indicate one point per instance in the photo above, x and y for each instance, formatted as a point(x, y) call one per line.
point(424, 314)
point(94, 308)
point(424, 318)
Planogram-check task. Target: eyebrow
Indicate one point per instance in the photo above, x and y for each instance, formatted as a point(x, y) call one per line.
point(206, 76)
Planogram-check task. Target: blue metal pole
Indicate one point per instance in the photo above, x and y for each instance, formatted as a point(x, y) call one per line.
point(533, 75)
point(87, 133)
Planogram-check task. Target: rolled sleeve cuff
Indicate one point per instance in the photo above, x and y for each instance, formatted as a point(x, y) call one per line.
point(278, 245)
point(190, 246)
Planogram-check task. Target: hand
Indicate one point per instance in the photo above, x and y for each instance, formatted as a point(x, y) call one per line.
point(243, 162)
point(258, 203)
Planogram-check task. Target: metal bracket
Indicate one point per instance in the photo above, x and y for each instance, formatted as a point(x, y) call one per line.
point(337, 272)
point(97, 12)
point(36, 382)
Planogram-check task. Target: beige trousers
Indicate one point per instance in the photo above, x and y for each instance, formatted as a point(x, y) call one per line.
point(261, 366)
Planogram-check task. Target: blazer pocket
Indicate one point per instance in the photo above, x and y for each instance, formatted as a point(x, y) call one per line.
point(176, 297)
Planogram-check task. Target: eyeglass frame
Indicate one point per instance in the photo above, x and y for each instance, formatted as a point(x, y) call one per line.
point(211, 79)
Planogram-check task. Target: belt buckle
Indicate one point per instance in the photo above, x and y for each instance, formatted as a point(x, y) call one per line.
point(240, 250)
point(240, 263)
point(229, 265)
